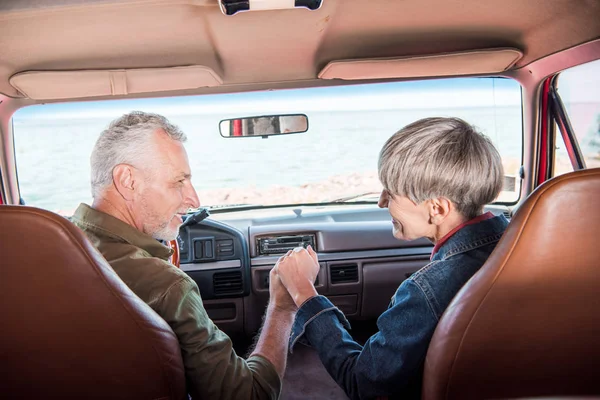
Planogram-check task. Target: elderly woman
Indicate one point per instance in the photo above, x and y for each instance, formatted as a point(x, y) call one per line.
point(437, 175)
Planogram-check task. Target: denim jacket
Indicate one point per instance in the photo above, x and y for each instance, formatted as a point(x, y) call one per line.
point(391, 362)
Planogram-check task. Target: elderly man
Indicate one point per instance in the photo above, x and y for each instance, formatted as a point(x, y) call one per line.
point(437, 175)
point(141, 186)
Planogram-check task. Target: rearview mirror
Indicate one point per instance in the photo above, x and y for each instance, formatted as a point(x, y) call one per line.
point(265, 125)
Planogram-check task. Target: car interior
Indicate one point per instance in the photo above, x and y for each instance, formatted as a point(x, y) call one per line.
point(526, 326)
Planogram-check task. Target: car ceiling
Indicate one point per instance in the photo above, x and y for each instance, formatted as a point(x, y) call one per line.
point(269, 47)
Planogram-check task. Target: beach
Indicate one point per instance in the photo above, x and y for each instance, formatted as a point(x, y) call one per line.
point(336, 158)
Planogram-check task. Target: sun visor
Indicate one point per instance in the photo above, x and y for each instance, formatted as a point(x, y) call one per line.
point(52, 85)
point(447, 64)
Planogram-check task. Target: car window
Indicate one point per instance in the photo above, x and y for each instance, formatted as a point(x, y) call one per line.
point(578, 90)
point(562, 162)
point(335, 158)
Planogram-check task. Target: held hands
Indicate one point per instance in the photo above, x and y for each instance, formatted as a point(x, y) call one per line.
point(296, 272)
point(278, 294)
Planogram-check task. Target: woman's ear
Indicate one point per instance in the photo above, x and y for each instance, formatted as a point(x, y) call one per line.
point(439, 209)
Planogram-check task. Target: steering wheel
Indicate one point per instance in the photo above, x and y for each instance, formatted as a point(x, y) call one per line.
point(174, 259)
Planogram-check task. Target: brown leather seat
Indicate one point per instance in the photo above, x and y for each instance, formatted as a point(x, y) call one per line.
point(70, 328)
point(528, 323)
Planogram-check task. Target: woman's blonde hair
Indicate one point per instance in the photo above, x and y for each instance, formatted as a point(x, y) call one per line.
point(442, 157)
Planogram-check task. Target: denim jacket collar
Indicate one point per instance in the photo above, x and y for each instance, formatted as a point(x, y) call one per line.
point(471, 237)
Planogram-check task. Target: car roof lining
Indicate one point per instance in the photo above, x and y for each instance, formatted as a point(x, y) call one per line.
point(271, 49)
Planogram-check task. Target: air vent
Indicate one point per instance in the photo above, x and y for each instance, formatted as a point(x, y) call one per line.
point(507, 214)
point(225, 248)
point(343, 273)
point(228, 283)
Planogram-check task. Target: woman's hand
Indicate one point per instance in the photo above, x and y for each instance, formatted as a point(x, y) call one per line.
point(298, 270)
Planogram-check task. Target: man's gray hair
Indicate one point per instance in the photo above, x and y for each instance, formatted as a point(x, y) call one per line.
point(127, 140)
point(442, 157)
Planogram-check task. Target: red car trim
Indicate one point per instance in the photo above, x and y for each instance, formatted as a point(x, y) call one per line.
point(544, 131)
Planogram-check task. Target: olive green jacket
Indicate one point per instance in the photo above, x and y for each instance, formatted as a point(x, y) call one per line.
point(213, 370)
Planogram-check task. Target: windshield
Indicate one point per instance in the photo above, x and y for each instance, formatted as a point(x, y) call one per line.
point(336, 158)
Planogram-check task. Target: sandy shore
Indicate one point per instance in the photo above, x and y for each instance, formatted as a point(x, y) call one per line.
point(352, 184)
point(335, 187)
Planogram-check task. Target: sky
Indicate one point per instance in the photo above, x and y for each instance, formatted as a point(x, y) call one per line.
point(457, 92)
point(580, 84)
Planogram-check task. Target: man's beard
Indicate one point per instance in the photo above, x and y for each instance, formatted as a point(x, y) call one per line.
point(162, 232)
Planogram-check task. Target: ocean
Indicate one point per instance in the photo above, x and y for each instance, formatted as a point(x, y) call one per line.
point(53, 154)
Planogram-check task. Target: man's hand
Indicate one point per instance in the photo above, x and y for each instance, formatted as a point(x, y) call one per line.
point(278, 294)
point(298, 271)
point(273, 341)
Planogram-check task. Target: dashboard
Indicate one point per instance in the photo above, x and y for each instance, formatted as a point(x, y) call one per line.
point(229, 255)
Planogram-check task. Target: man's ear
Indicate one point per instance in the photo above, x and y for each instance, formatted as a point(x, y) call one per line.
point(439, 209)
point(124, 179)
